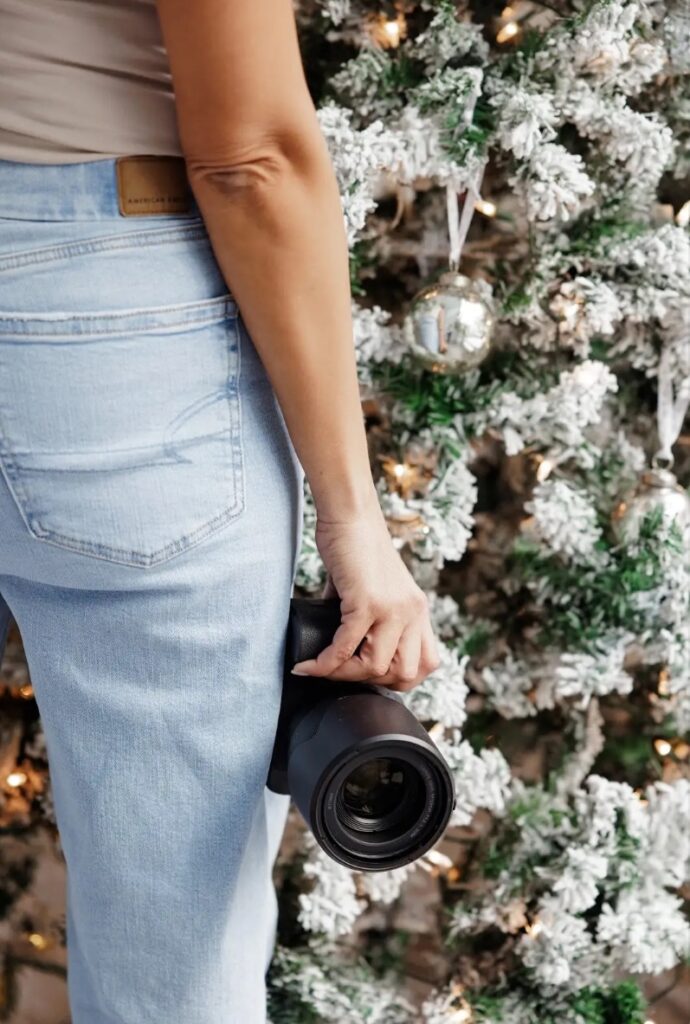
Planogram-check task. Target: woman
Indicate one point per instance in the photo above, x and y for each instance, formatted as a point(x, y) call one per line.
point(175, 352)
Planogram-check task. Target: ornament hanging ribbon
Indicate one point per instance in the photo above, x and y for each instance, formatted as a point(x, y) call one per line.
point(671, 410)
point(459, 223)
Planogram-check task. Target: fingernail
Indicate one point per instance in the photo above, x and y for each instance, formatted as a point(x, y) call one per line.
point(298, 672)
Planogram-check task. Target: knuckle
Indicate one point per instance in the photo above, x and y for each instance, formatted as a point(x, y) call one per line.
point(378, 668)
point(402, 687)
point(343, 652)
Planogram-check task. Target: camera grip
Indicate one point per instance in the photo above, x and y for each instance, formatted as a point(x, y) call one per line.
point(312, 622)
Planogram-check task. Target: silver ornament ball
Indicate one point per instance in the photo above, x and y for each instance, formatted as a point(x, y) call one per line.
point(450, 323)
point(656, 489)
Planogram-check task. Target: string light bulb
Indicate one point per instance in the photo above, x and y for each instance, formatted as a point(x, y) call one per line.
point(388, 32)
point(16, 778)
point(486, 207)
point(436, 863)
point(662, 747)
point(683, 215)
point(462, 1013)
point(403, 476)
point(507, 32)
point(544, 470)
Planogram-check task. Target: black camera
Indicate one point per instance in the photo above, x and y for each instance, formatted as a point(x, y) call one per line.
point(365, 775)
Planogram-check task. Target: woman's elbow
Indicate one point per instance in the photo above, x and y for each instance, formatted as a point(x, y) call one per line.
point(256, 161)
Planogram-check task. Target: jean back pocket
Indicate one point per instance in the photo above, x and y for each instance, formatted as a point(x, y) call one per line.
point(120, 432)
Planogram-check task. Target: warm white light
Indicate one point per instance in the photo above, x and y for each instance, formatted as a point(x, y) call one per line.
point(461, 1016)
point(507, 13)
point(439, 859)
point(37, 940)
point(399, 469)
point(486, 207)
point(544, 470)
point(662, 747)
point(509, 31)
point(392, 30)
point(16, 778)
point(683, 215)
point(388, 32)
point(534, 929)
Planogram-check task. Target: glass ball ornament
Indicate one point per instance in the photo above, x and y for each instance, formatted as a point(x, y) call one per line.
point(450, 323)
point(656, 490)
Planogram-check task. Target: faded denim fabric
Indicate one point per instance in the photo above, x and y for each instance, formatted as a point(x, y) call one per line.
point(150, 523)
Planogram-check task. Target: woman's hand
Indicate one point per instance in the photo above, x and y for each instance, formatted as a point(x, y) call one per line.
point(380, 604)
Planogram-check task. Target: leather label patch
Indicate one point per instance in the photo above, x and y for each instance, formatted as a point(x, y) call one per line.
point(148, 185)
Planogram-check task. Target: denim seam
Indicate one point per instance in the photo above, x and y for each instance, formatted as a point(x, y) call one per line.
point(104, 243)
point(133, 558)
point(206, 312)
point(236, 413)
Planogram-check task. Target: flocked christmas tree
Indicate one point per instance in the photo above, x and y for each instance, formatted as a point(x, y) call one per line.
point(515, 188)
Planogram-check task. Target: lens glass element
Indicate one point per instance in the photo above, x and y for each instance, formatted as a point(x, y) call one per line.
point(376, 789)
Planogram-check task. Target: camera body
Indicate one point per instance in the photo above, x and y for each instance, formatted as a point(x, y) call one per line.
point(364, 773)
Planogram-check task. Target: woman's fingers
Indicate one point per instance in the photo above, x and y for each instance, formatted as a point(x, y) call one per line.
point(346, 639)
point(385, 656)
point(404, 672)
point(377, 651)
point(430, 658)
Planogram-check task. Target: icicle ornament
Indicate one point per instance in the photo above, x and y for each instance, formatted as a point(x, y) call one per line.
point(657, 489)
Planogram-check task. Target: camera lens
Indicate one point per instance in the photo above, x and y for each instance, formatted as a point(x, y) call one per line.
point(383, 795)
point(375, 788)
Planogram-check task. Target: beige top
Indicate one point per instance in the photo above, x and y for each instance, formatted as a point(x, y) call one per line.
point(83, 80)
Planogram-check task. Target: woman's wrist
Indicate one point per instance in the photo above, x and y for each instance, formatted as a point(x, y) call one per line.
point(346, 502)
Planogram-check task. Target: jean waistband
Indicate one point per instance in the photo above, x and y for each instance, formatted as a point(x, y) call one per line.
point(87, 190)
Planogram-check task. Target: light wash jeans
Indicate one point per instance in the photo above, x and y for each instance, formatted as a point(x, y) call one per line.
point(150, 522)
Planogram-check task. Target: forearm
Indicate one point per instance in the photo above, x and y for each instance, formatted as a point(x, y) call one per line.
point(276, 227)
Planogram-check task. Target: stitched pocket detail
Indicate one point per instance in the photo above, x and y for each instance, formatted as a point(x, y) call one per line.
point(121, 432)
point(112, 242)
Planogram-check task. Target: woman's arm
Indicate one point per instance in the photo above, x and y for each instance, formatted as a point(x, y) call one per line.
point(262, 176)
